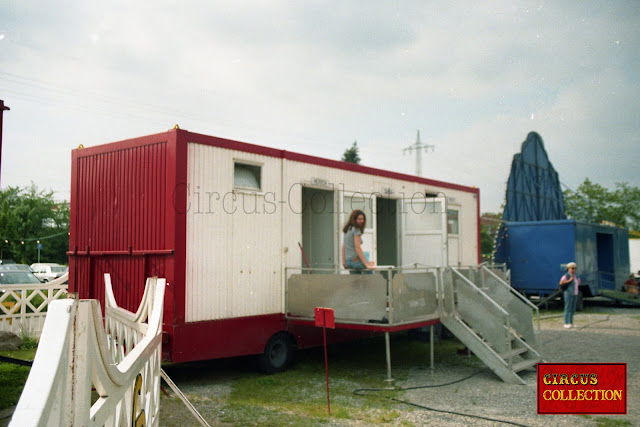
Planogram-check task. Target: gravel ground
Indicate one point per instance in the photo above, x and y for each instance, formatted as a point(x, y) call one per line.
point(613, 335)
point(597, 338)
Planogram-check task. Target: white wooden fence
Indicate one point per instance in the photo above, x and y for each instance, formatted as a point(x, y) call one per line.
point(23, 308)
point(76, 353)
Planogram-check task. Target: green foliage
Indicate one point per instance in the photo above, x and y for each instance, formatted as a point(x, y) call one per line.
point(28, 343)
point(486, 242)
point(27, 214)
point(351, 154)
point(594, 203)
point(13, 377)
point(12, 380)
point(489, 225)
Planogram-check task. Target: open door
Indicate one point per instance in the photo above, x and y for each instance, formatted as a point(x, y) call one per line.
point(317, 230)
point(350, 201)
point(424, 231)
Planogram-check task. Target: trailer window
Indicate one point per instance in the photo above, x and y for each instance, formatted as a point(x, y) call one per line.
point(452, 221)
point(246, 176)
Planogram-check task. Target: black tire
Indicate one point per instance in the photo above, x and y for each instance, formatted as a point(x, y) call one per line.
point(579, 302)
point(278, 354)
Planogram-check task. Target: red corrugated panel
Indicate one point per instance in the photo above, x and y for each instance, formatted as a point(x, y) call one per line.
point(119, 198)
point(120, 208)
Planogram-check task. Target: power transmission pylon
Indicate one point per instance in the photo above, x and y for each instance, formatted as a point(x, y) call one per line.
point(418, 147)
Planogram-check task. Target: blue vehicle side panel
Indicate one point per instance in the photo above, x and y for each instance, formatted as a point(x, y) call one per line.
point(535, 252)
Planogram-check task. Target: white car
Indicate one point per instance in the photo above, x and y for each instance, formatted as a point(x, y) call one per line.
point(48, 271)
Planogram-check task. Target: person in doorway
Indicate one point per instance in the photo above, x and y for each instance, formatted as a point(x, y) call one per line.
point(570, 283)
point(353, 258)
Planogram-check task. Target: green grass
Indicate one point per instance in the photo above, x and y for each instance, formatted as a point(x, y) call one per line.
point(298, 396)
point(611, 422)
point(13, 377)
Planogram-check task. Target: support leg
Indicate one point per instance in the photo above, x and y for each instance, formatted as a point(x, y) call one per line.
point(387, 344)
point(431, 345)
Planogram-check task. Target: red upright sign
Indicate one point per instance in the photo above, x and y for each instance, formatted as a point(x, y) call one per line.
point(582, 388)
point(325, 317)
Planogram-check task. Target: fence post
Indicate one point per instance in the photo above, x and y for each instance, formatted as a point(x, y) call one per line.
point(81, 368)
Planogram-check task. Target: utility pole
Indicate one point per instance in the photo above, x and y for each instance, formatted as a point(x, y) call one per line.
point(418, 147)
point(2, 110)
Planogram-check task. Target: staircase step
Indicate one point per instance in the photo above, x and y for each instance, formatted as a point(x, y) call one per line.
point(521, 366)
point(514, 352)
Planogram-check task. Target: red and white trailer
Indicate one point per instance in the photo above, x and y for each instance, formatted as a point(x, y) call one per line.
point(221, 220)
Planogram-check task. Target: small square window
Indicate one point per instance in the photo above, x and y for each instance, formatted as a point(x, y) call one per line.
point(452, 221)
point(246, 176)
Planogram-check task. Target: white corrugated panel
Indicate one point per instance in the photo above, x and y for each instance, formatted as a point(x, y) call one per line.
point(233, 238)
point(297, 173)
point(234, 248)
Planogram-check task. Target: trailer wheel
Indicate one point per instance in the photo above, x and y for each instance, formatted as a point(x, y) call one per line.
point(579, 302)
point(278, 354)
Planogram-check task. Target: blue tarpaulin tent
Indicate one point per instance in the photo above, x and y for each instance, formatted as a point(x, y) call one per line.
point(535, 238)
point(533, 190)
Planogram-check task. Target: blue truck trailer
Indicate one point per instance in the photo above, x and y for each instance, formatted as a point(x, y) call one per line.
point(537, 251)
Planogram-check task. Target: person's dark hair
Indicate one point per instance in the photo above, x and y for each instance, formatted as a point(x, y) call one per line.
point(353, 221)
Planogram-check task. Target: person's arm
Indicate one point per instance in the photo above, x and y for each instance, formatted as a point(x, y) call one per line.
point(568, 279)
point(344, 259)
point(356, 242)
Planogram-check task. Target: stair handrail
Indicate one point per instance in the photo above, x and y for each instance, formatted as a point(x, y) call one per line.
point(500, 310)
point(516, 293)
point(481, 292)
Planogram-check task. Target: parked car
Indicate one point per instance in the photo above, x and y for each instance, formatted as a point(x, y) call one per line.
point(10, 275)
point(17, 277)
point(17, 267)
point(46, 272)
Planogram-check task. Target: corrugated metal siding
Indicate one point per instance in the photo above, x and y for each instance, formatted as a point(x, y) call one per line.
point(121, 198)
point(120, 201)
point(233, 249)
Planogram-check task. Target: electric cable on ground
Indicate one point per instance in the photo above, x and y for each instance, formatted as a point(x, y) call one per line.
point(359, 391)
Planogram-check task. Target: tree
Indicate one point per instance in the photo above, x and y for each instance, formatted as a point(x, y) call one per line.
point(351, 154)
point(594, 203)
point(489, 225)
point(29, 216)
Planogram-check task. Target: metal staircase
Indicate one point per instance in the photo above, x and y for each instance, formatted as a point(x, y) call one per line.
point(491, 319)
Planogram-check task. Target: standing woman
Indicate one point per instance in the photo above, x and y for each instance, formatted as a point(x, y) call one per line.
point(570, 284)
point(352, 256)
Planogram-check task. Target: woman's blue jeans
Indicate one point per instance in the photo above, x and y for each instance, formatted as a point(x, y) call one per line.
point(357, 267)
point(569, 306)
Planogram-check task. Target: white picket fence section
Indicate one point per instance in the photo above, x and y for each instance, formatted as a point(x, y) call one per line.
point(21, 310)
point(76, 353)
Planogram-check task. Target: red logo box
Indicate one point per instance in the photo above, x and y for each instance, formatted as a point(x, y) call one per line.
point(582, 388)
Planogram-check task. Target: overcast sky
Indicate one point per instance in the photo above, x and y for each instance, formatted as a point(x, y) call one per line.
point(313, 76)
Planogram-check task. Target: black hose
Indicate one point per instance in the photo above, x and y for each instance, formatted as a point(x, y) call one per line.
point(359, 391)
point(15, 361)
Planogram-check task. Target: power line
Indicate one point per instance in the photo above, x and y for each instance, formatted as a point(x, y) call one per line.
point(418, 147)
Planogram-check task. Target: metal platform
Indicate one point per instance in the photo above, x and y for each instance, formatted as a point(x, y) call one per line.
point(475, 303)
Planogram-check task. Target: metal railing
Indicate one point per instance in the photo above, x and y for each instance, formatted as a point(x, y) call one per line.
point(23, 307)
point(607, 280)
point(516, 302)
point(390, 295)
point(478, 310)
point(76, 354)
